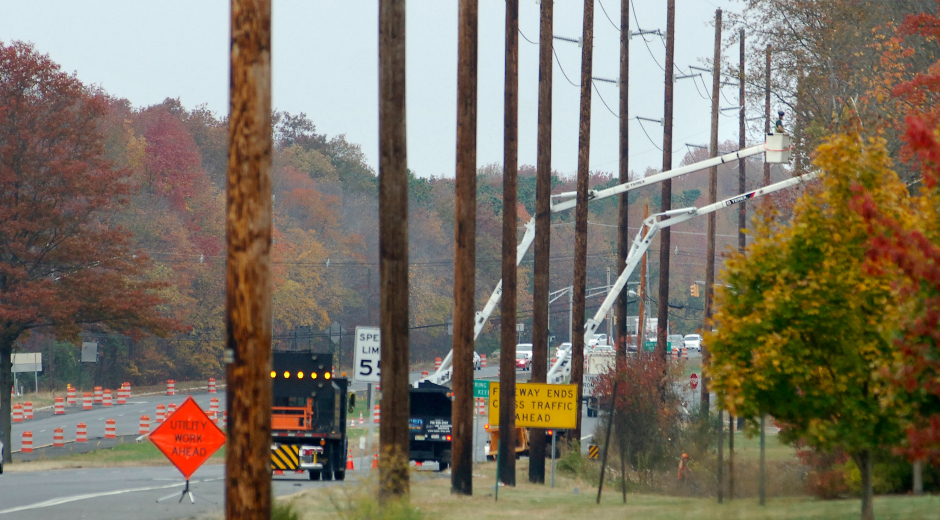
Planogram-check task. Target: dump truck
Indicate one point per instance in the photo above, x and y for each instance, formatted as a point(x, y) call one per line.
point(308, 416)
point(429, 424)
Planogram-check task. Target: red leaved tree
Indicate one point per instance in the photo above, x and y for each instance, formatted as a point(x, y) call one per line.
point(63, 264)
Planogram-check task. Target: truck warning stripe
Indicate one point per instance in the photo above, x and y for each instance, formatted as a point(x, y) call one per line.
point(286, 456)
point(593, 451)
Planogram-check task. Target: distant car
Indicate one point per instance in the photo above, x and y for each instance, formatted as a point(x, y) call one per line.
point(675, 341)
point(598, 339)
point(693, 342)
point(477, 362)
point(523, 362)
point(524, 348)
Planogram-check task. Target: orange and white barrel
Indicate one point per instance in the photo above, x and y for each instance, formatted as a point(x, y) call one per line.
point(70, 396)
point(81, 432)
point(211, 385)
point(121, 396)
point(144, 425)
point(108, 400)
point(437, 363)
point(424, 373)
point(685, 353)
point(27, 446)
point(361, 419)
point(161, 413)
point(483, 360)
point(170, 387)
point(127, 389)
point(224, 419)
point(110, 429)
point(28, 410)
point(376, 412)
point(58, 438)
point(171, 409)
point(481, 406)
point(86, 401)
point(99, 395)
point(213, 407)
point(17, 412)
point(59, 406)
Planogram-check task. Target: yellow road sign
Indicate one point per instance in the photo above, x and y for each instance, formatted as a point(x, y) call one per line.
point(593, 451)
point(540, 405)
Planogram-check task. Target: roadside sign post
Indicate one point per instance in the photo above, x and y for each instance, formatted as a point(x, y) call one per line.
point(188, 438)
point(481, 390)
point(693, 382)
point(367, 366)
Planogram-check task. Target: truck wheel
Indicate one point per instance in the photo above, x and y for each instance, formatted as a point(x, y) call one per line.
point(340, 475)
point(327, 474)
point(314, 475)
point(442, 466)
point(490, 457)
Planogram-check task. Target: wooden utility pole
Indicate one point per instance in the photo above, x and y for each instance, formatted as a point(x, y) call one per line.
point(508, 335)
point(543, 231)
point(465, 210)
point(712, 198)
point(581, 211)
point(767, 114)
point(393, 252)
point(623, 231)
point(662, 315)
point(742, 142)
point(248, 266)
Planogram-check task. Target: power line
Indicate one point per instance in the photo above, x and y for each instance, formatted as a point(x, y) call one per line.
point(648, 136)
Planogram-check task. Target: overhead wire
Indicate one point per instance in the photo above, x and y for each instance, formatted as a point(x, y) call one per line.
point(648, 135)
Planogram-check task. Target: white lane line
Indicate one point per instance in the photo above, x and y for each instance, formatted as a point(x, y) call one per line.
point(75, 498)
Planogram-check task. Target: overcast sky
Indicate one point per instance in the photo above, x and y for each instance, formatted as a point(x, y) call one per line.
point(325, 64)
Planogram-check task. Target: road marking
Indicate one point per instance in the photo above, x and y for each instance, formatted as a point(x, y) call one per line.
point(65, 500)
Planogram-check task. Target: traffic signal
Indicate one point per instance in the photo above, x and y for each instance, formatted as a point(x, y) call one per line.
point(694, 289)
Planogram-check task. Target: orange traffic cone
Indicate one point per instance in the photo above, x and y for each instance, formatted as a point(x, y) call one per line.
point(375, 460)
point(349, 462)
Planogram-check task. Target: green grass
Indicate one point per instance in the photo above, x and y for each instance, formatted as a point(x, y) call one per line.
point(774, 450)
point(131, 454)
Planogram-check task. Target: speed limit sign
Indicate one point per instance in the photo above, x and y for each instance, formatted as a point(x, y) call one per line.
point(368, 354)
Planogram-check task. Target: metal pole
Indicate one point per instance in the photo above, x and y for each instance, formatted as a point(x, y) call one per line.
point(248, 266)
point(610, 424)
point(543, 187)
point(662, 313)
point(465, 249)
point(730, 456)
point(581, 210)
point(762, 479)
point(393, 253)
point(554, 434)
point(721, 442)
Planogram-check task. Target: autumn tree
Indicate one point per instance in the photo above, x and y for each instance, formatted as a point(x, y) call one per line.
point(802, 328)
point(63, 264)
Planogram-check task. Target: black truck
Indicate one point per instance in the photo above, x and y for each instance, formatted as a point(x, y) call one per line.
point(430, 424)
point(308, 416)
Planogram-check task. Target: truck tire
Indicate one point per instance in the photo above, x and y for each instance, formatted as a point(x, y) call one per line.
point(326, 474)
point(314, 475)
point(442, 466)
point(340, 475)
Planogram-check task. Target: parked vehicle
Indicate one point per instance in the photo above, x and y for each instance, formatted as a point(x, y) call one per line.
point(524, 348)
point(477, 362)
point(674, 341)
point(693, 342)
point(430, 424)
point(523, 362)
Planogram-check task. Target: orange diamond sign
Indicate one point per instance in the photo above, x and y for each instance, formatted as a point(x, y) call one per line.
point(188, 437)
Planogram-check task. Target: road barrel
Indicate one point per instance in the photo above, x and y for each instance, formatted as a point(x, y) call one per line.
point(17, 412)
point(170, 409)
point(437, 363)
point(170, 387)
point(81, 433)
point(121, 396)
point(361, 420)
point(110, 429)
point(27, 446)
point(213, 407)
point(86, 401)
point(424, 373)
point(482, 360)
point(376, 412)
point(144, 425)
point(70, 396)
point(127, 389)
point(58, 438)
point(99, 395)
point(161, 413)
point(224, 419)
point(108, 400)
point(211, 385)
point(59, 406)
point(28, 410)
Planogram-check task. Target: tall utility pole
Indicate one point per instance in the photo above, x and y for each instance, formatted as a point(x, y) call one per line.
point(623, 231)
point(581, 210)
point(662, 315)
point(710, 256)
point(767, 113)
point(248, 266)
point(712, 198)
point(742, 141)
point(393, 252)
point(465, 210)
point(507, 353)
point(543, 187)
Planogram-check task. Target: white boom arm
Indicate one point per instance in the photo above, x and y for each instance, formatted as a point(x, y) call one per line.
point(651, 226)
point(775, 143)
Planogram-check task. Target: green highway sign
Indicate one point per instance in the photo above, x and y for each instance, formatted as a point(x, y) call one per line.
point(481, 388)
